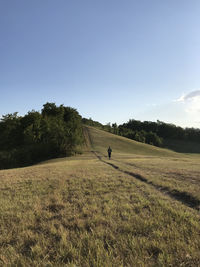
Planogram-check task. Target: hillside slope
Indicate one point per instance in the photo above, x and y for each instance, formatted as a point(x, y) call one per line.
point(100, 140)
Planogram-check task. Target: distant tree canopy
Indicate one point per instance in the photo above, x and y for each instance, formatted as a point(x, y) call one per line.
point(163, 130)
point(56, 131)
point(90, 122)
point(107, 127)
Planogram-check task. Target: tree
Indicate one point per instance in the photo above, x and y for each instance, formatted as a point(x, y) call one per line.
point(56, 131)
point(115, 128)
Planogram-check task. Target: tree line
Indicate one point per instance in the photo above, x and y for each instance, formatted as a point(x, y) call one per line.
point(53, 132)
point(57, 131)
point(162, 130)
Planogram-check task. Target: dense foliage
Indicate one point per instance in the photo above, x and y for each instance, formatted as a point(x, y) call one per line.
point(56, 131)
point(160, 130)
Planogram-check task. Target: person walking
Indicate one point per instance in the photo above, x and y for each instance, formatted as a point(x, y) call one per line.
point(109, 152)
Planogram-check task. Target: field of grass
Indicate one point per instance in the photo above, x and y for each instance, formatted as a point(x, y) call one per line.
point(141, 208)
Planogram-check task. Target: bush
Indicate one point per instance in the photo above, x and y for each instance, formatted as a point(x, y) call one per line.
point(153, 139)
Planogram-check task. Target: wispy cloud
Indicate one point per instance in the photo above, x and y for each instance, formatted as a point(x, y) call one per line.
point(190, 105)
point(184, 111)
point(190, 96)
point(191, 102)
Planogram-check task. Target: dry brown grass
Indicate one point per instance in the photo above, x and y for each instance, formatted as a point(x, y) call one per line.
point(81, 211)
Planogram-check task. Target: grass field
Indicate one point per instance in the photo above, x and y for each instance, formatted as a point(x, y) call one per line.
point(141, 208)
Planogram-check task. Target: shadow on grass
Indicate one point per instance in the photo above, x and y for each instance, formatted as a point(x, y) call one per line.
point(181, 146)
point(184, 197)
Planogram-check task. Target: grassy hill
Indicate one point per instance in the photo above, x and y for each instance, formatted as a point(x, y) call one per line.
point(141, 208)
point(100, 140)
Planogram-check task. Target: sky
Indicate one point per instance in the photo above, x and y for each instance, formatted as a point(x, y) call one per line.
point(112, 60)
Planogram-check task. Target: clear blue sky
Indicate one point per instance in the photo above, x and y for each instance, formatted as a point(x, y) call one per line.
point(111, 60)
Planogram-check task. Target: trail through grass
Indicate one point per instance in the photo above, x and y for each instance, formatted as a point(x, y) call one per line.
point(81, 211)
